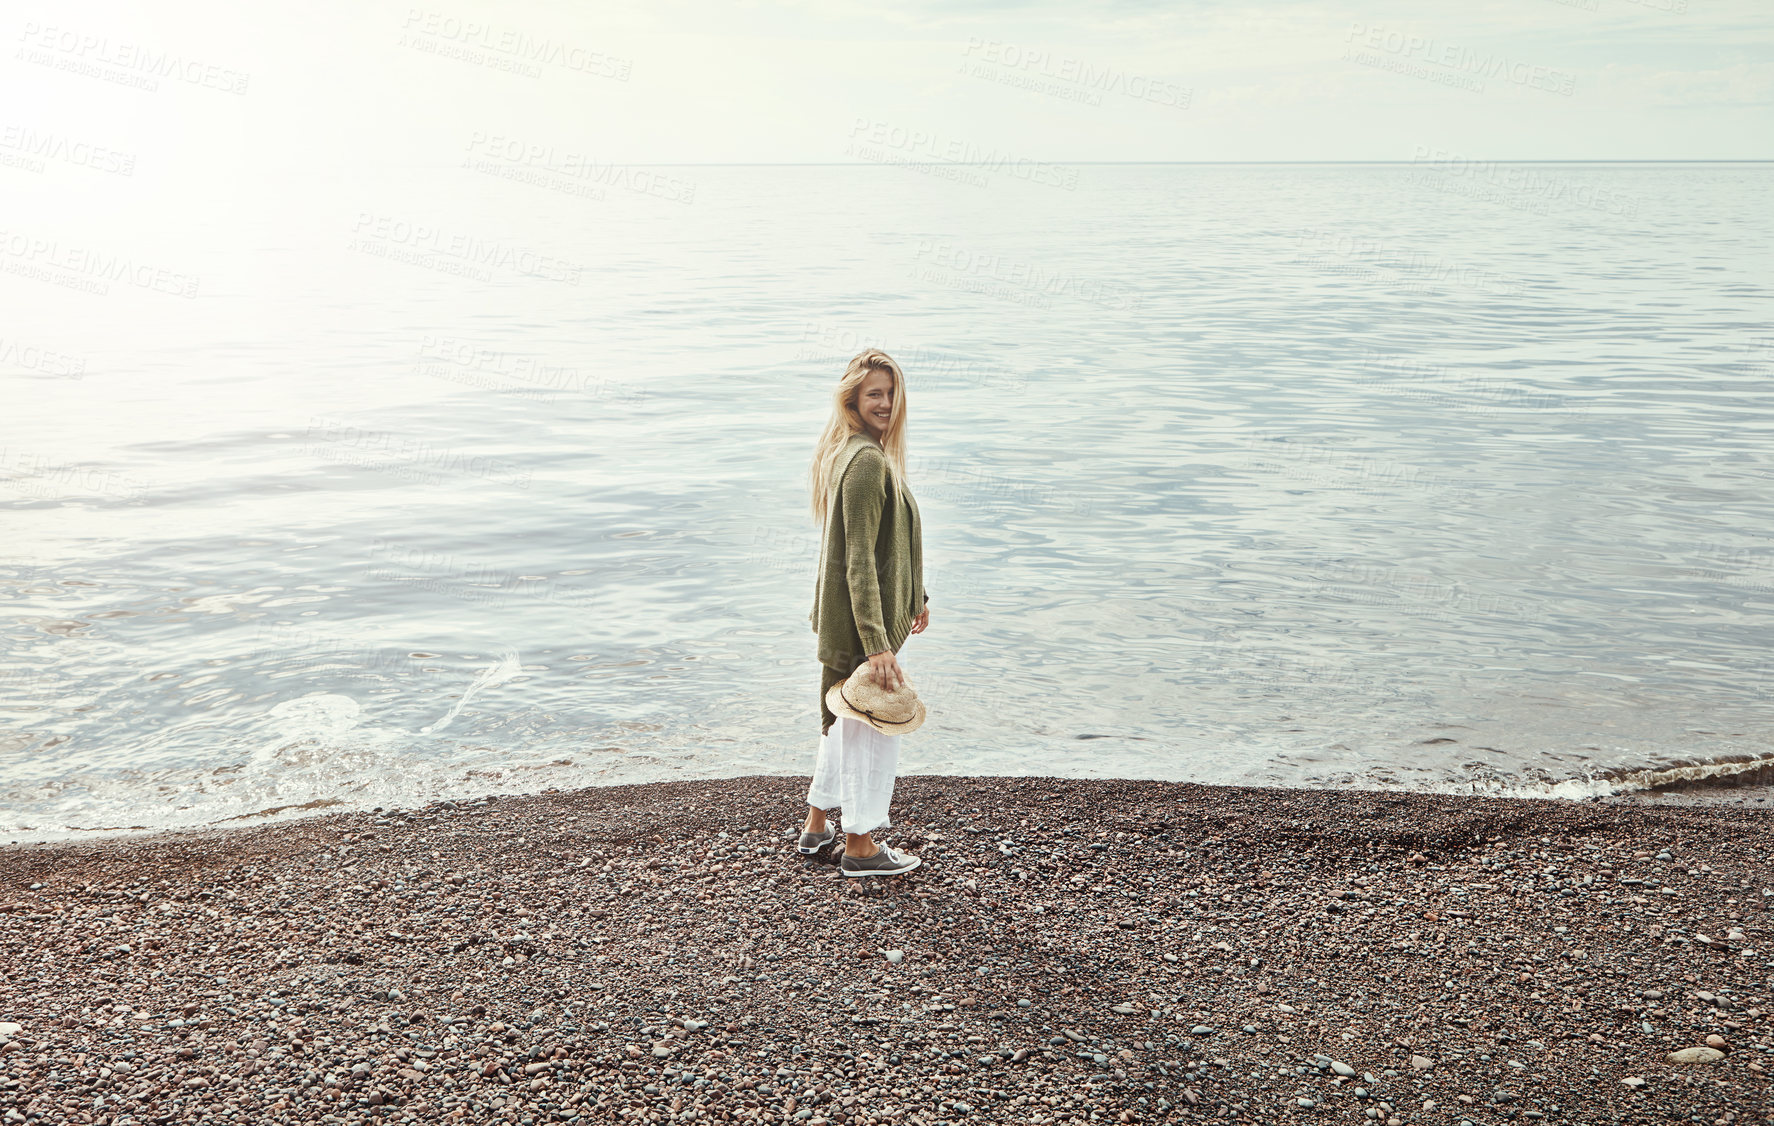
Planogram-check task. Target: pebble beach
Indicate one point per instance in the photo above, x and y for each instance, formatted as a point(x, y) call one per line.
point(1070, 951)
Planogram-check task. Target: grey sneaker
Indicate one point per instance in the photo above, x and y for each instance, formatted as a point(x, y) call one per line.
point(885, 862)
point(813, 842)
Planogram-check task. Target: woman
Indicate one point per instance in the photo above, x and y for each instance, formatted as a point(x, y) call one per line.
point(870, 596)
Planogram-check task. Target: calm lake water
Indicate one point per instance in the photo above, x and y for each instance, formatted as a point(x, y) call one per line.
point(1374, 476)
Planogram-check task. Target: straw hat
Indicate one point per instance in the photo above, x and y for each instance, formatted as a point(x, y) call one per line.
point(890, 713)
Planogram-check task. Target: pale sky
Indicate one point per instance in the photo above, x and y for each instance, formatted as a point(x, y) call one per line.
point(329, 88)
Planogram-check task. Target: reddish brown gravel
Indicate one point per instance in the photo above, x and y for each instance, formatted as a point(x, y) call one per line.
point(1109, 951)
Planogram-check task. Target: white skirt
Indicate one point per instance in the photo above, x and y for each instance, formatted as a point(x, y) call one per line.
point(854, 770)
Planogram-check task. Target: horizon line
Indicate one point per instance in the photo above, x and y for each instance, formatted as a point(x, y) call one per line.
point(994, 164)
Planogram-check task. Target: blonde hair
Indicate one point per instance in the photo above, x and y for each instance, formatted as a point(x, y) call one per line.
point(846, 420)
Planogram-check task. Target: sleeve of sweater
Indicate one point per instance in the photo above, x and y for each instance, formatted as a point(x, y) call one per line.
point(864, 490)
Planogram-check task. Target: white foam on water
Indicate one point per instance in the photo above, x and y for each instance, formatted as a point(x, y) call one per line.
point(317, 714)
point(1613, 783)
point(506, 668)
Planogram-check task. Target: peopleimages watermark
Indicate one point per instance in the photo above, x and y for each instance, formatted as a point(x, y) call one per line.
point(1734, 565)
point(445, 573)
point(41, 476)
point(463, 361)
point(1332, 467)
point(1447, 63)
point(954, 173)
point(778, 550)
point(411, 458)
point(967, 486)
point(504, 48)
point(470, 580)
point(1372, 582)
point(84, 268)
point(46, 361)
point(1759, 355)
point(569, 172)
point(1522, 187)
point(31, 149)
point(1022, 282)
point(1277, 670)
point(291, 640)
point(1065, 77)
point(453, 252)
point(1451, 390)
point(949, 694)
point(923, 150)
point(1348, 253)
point(127, 64)
point(835, 345)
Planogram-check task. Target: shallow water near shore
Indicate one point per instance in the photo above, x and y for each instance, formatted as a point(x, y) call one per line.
point(1322, 476)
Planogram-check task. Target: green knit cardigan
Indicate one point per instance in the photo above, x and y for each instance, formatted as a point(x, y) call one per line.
point(871, 561)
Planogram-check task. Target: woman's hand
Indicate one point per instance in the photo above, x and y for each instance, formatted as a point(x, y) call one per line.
point(887, 672)
point(886, 669)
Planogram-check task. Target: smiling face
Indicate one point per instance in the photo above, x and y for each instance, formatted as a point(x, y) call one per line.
point(874, 401)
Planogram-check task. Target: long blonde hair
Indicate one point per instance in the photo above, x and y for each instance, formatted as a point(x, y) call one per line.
point(846, 420)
